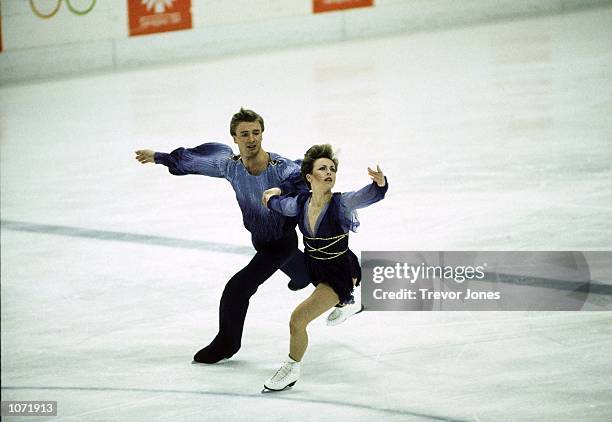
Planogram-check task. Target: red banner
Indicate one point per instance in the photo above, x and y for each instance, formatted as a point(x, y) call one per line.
point(319, 6)
point(152, 16)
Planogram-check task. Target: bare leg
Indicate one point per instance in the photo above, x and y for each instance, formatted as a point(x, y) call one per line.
point(321, 300)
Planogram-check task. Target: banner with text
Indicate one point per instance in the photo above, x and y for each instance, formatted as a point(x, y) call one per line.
point(486, 281)
point(319, 6)
point(153, 16)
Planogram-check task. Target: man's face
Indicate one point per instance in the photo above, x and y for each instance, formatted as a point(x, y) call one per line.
point(248, 138)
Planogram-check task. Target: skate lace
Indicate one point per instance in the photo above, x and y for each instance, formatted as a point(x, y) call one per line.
point(282, 372)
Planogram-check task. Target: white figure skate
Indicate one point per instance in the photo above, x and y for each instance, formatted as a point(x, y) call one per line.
point(339, 315)
point(286, 377)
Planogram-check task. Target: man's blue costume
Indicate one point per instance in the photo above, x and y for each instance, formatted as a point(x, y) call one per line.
point(273, 235)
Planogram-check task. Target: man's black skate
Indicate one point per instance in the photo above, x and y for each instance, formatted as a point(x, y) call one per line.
point(212, 353)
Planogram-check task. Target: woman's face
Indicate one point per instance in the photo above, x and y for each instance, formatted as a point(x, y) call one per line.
point(323, 176)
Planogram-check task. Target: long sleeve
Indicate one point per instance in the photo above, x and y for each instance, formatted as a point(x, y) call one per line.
point(293, 183)
point(208, 159)
point(365, 196)
point(285, 205)
point(351, 201)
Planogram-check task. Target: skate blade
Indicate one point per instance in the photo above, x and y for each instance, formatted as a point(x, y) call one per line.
point(267, 390)
point(195, 362)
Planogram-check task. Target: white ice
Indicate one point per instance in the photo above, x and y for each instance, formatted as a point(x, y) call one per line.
point(496, 137)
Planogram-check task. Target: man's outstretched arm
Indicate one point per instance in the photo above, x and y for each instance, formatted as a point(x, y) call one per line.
point(208, 159)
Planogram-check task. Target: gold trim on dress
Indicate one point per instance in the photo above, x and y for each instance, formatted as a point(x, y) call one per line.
point(335, 239)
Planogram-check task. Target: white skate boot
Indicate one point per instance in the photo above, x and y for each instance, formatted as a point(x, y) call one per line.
point(285, 377)
point(339, 315)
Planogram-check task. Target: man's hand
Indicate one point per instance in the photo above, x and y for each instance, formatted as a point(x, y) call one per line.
point(145, 156)
point(377, 176)
point(269, 194)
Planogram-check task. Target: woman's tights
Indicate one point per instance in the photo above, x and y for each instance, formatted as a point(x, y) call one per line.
point(322, 299)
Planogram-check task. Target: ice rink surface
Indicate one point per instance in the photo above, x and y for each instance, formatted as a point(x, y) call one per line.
point(496, 137)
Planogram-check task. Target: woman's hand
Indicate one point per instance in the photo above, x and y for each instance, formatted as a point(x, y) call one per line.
point(377, 176)
point(145, 156)
point(269, 194)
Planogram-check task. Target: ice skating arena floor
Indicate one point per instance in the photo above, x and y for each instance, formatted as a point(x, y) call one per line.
point(495, 137)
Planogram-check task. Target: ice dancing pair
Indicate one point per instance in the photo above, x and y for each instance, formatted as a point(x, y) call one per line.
point(250, 173)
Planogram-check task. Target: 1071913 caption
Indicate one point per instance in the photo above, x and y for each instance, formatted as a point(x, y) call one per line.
point(29, 408)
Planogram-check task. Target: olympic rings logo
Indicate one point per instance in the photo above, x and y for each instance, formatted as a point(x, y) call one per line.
point(56, 8)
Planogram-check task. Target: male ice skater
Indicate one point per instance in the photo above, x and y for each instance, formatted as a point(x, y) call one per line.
point(250, 173)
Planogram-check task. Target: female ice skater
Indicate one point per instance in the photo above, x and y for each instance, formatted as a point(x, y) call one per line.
point(324, 218)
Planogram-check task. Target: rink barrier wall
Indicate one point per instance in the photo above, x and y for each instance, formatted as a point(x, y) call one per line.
point(67, 44)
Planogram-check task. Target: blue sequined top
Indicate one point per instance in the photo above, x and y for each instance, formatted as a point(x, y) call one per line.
point(217, 160)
